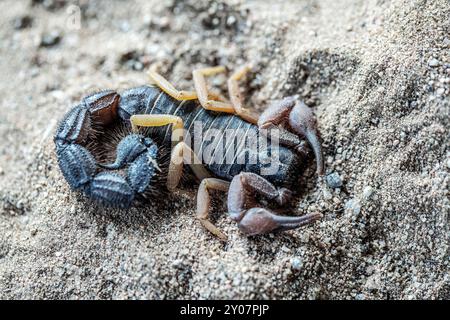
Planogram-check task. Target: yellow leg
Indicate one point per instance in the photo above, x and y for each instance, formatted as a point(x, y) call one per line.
point(204, 203)
point(182, 154)
point(217, 96)
point(159, 120)
point(168, 88)
point(203, 94)
point(209, 99)
point(235, 95)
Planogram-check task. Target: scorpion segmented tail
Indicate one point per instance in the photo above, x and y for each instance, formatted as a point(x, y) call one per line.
point(79, 166)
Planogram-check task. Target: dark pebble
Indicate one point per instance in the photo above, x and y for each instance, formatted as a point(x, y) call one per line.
point(51, 39)
point(134, 60)
point(50, 4)
point(23, 22)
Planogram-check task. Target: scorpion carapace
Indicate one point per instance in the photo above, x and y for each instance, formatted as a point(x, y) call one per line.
point(228, 149)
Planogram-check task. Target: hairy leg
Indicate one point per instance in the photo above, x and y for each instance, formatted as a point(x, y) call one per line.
point(203, 91)
point(235, 95)
point(182, 154)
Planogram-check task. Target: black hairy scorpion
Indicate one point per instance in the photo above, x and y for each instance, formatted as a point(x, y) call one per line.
point(137, 170)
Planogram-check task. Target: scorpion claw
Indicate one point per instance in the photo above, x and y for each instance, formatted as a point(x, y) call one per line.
point(259, 221)
point(256, 220)
point(299, 119)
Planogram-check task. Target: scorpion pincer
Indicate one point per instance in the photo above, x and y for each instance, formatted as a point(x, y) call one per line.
point(150, 160)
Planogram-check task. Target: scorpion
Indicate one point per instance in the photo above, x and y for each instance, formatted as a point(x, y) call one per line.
point(154, 145)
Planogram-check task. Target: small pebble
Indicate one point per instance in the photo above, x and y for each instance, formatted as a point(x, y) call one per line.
point(440, 91)
point(231, 20)
point(367, 192)
point(433, 62)
point(50, 4)
point(360, 296)
point(296, 264)
point(334, 180)
point(125, 26)
point(134, 60)
point(178, 263)
point(402, 135)
point(22, 22)
point(353, 207)
point(51, 39)
point(327, 195)
point(446, 42)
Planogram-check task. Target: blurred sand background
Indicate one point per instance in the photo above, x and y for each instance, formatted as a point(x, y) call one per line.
point(376, 73)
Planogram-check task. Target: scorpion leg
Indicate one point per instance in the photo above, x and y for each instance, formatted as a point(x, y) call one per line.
point(183, 154)
point(235, 95)
point(208, 99)
point(235, 107)
point(159, 120)
point(254, 220)
point(204, 201)
point(203, 92)
point(168, 88)
point(180, 95)
point(299, 121)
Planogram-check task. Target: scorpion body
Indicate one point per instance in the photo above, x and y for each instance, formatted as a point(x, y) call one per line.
point(137, 171)
point(151, 100)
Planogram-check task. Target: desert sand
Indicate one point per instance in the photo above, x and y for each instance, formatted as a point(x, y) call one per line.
point(377, 75)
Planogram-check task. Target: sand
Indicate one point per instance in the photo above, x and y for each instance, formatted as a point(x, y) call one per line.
point(377, 75)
